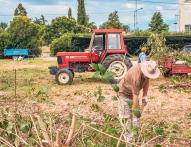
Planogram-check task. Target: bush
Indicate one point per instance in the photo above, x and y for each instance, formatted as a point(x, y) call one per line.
point(61, 25)
point(24, 34)
point(69, 42)
point(4, 40)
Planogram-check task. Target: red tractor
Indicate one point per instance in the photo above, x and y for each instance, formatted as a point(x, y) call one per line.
point(106, 48)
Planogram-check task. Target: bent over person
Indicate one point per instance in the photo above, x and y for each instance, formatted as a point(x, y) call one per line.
point(136, 79)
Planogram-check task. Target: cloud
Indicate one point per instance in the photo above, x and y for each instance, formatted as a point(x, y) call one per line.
point(37, 2)
point(133, 6)
point(98, 10)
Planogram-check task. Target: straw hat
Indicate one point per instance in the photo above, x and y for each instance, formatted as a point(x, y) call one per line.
point(150, 69)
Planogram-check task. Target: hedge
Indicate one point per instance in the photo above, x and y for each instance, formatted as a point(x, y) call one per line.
point(70, 42)
point(133, 43)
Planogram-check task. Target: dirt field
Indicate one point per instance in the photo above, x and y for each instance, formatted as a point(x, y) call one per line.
point(38, 92)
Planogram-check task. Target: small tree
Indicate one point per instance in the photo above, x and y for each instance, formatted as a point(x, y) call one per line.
point(20, 10)
point(112, 22)
point(69, 13)
point(157, 23)
point(126, 28)
point(3, 26)
point(41, 20)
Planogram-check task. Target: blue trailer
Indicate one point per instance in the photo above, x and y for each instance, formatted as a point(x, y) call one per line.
point(15, 52)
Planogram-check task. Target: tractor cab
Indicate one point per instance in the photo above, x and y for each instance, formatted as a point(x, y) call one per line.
point(106, 48)
point(106, 42)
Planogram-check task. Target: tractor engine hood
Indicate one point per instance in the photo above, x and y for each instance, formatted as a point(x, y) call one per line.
point(73, 54)
point(73, 57)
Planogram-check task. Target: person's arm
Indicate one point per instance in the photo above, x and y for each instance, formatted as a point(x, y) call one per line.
point(144, 98)
point(135, 102)
point(143, 57)
point(146, 88)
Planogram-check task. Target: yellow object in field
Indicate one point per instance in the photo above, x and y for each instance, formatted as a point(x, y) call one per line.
point(143, 49)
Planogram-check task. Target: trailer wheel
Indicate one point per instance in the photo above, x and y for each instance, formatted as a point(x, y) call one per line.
point(118, 64)
point(64, 76)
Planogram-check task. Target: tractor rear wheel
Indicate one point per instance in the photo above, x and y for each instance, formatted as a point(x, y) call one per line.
point(64, 76)
point(118, 64)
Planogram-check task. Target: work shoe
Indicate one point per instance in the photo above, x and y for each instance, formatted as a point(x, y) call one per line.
point(136, 123)
point(128, 137)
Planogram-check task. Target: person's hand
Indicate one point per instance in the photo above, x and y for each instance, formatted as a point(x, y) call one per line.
point(136, 122)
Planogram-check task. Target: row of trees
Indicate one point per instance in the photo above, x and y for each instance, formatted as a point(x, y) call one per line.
point(23, 32)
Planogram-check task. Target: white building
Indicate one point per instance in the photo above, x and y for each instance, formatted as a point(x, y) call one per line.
point(184, 22)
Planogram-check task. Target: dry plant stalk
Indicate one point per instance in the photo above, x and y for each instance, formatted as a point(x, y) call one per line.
point(44, 131)
point(119, 140)
point(21, 139)
point(6, 142)
point(36, 131)
point(68, 141)
point(110, 135)
point(147, 143)
point(58, 141)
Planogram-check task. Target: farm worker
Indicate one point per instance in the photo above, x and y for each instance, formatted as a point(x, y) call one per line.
point(142, 56)
point(135, 80)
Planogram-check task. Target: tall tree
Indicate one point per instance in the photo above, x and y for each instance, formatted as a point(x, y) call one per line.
point(69, 13)
point(157, 23)
point(82, 16)
point(112, 22)
point(20, 10)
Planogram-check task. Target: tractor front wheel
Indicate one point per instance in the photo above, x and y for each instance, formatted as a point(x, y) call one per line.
point(64, 76)
point(118, 65)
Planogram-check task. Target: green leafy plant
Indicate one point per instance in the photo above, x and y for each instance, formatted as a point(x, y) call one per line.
point(98, 94)
point(102, 74)
point(157, 44)
point(137, 112)
point(115, 87)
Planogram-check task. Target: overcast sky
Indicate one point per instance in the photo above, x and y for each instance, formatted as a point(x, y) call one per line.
point(97, 10)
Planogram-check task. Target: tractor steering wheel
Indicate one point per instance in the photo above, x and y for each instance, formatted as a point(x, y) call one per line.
point(97, 49)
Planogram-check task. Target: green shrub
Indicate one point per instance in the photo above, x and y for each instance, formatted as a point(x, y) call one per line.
point(24, 34)
point(63, 43)
point(4, 40)
point(69, 42)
